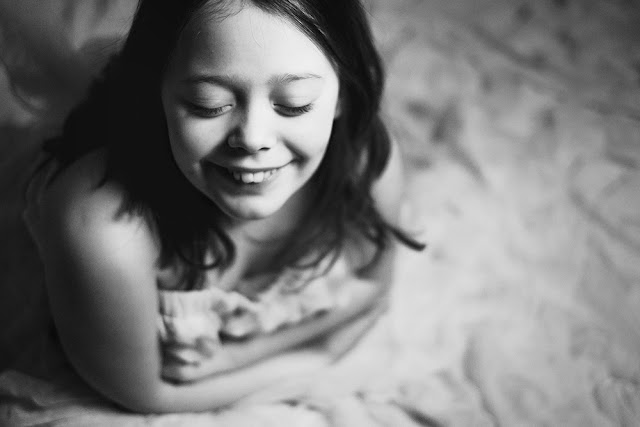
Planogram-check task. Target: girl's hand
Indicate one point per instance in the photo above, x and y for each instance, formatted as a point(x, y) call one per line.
point(181, 372)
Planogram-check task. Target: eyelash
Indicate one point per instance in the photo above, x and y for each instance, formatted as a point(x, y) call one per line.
point(207, 112)
point(216, 111)
point(295, 111)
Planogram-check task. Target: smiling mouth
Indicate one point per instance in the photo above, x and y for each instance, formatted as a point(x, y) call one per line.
point(258, 177)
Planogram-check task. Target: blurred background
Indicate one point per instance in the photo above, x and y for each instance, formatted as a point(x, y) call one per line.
point(519, 122)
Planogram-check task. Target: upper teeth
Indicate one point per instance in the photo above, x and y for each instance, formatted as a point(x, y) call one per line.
point(253, 177)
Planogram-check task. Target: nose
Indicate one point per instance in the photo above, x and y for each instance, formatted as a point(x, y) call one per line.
point(255, 129)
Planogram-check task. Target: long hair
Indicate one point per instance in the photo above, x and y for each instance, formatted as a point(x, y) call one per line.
point(123, 113)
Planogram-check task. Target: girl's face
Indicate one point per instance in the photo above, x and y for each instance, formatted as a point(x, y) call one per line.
point(250, 102)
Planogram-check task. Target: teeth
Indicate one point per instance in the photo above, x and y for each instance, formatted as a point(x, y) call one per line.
point(255, 178)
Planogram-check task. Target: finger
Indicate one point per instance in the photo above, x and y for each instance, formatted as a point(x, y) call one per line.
point(180, 372)
point(207, 347)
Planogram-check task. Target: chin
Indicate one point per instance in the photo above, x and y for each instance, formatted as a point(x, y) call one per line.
point(251, 215)
point(249, 212)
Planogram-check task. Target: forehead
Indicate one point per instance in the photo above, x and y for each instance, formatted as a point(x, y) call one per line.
point(244, 39)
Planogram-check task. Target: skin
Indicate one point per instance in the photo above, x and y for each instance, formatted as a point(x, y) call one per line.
point(250, 93)
point(101, 269)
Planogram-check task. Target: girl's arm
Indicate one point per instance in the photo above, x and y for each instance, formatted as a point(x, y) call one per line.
point(101, 278)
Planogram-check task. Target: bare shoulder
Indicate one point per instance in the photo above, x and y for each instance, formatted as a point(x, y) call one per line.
point(388, 191)
point(77, 191)
point(389, 196)
point(78, 204)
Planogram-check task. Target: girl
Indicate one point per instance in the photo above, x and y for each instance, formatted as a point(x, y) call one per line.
point(221, 213)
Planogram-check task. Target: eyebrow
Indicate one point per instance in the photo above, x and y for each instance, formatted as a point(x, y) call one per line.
point(289, 78)
point(231, 80)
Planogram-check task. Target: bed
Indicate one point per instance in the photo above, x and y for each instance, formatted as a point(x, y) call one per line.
point(520, 129)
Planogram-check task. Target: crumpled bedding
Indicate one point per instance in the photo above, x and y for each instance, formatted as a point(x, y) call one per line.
point(520, 126)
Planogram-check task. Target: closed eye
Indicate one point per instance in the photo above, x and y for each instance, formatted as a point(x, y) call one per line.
point(208, 112)
point(289, 111)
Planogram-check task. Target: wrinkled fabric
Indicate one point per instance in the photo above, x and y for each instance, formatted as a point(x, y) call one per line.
point(192, 324)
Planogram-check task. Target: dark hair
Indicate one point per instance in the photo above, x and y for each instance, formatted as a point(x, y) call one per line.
point(123, 112)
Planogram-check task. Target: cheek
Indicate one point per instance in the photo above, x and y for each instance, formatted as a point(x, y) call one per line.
point(187, 151)
point(309, 141)
point(314, 134)
point(190, 139)
point(322, 132)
